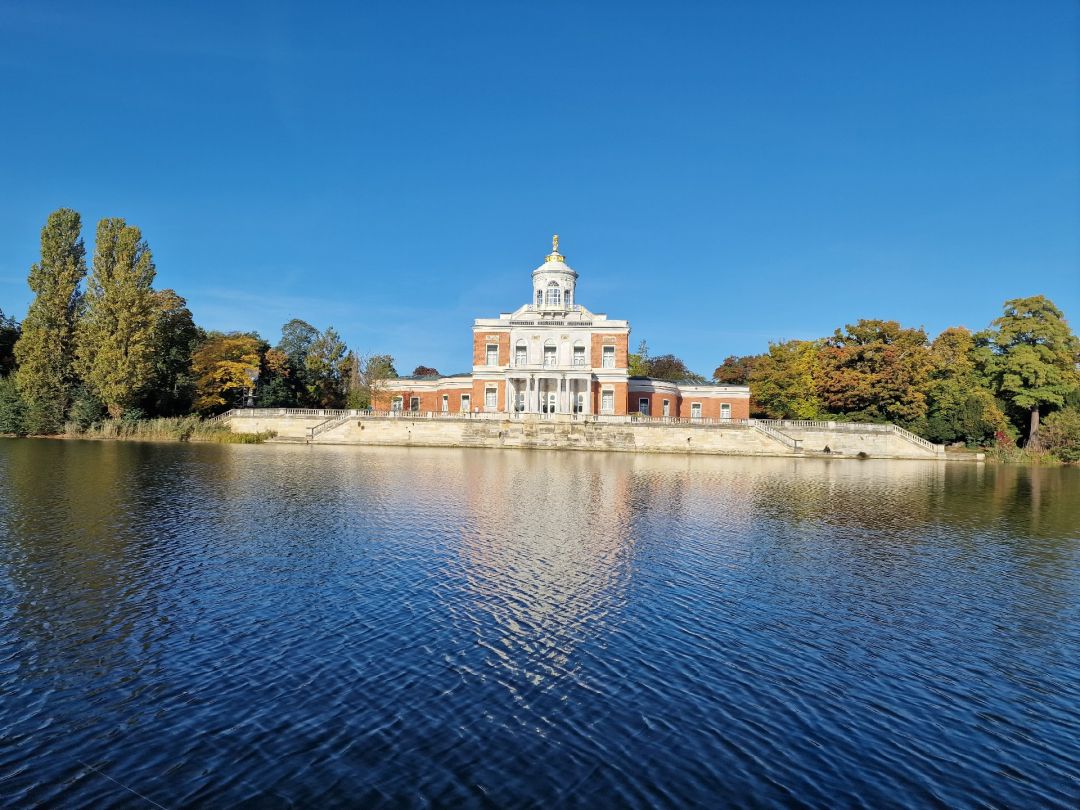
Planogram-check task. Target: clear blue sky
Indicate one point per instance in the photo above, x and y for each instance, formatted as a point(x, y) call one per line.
point(721, 174)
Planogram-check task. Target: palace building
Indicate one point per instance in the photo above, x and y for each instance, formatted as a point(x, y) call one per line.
point(554, 356)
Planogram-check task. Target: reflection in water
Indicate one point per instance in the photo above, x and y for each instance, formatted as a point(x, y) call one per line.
point(315, 625)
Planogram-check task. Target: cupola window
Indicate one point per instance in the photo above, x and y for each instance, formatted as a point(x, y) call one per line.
point(554, 295)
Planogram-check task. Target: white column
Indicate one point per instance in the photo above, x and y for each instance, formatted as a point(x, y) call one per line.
point(511, 396)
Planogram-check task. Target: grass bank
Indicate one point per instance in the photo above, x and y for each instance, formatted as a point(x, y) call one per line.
point(165, 429)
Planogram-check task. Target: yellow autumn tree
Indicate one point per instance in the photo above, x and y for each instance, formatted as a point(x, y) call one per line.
point(225, 365)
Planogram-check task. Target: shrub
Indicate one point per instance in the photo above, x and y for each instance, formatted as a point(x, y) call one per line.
point(1060, 434)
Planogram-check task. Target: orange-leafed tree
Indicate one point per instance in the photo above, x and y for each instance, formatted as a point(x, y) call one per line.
point(225, 366)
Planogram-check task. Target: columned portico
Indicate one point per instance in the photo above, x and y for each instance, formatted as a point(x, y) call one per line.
point(548, 392)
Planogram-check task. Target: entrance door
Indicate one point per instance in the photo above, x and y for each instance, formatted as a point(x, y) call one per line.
point(552, 399)
point(643, 406)
point(520, 401)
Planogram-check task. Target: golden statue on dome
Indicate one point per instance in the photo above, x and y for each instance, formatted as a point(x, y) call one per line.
point(555, 256)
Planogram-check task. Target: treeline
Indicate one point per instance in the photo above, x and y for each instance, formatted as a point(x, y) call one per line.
point(1015, 380)
point(107, 345)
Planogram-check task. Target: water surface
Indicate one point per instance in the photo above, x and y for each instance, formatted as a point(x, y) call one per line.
point(316, 626)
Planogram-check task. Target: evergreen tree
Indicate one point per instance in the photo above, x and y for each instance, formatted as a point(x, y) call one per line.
point(9, 336)
point(1034, 358)
point(12, 408)
point(45, 351)
point(117, 333)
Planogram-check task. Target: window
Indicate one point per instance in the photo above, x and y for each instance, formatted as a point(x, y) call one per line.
point(465, 402)
point(695, 410)
point(567, 298)
point(414, 403)
point(607, 402)
point(550, 354)
point(521, 354)
point(493, 353)
point(725, 411)
point(539, 298)
point(395, 404)
point(491, 398)
point(579, 355)
point(667, 407)
point(554, 295)
point(609, 356)
point(520, 402)
point(643, 406)
point(579, 402)
point(445, 403)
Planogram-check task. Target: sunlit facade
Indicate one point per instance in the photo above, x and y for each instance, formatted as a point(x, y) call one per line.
point(553, 356)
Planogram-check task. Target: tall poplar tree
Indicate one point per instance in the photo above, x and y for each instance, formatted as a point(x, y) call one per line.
point(116, 335)
point(45, 351)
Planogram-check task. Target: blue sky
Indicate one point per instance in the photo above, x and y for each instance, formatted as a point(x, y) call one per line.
point(720, 174)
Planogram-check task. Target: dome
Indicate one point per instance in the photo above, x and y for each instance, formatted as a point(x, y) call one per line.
point(555, 262)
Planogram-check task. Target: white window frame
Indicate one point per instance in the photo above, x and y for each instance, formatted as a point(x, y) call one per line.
point(521, 354)
point(579, 356)
point(667, 407)
point(607, 355)
point(553, 295)
point(446, 403)
point(607, 401)
point(695, 410)
point(492, 354)
point(466, 403)
point(396, 404)
point(725, 410)
point(551, 352)
point(491, 398)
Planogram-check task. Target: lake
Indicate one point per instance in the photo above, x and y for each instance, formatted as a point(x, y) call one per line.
point(274, 625)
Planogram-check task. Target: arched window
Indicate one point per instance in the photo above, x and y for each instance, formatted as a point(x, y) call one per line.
point(554, 294)
point(550, 354)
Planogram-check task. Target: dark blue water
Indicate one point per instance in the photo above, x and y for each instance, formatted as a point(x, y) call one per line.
point(274, 626)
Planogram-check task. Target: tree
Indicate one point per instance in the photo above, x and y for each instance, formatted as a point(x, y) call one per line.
point(1034, 358)
point(735, 370)
point(784, 382)
point(12, 408)
point(276, 388)
point(225, 366)
point(9, 336)
point(45, 351)
point(877, 371)
point(175, 338)
point(426, 371)
point(670, 367)
point(639, 361)
point(960, 405)
point(326, 367)
point(116, 335)
point(373, 372)
point(1061, 434)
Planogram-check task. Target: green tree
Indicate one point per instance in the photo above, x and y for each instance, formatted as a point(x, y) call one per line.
point(374, 371)
point(1034, 357)
point(960, 405)
point(784, 382)
point(1061, 434)
point(172, 390)
point(45, 351)
point(226, 366)
point(639, 361)
point(326, 367)
point(9, 336)
point(12, 408)
point(116, 335)
point(877, 371)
